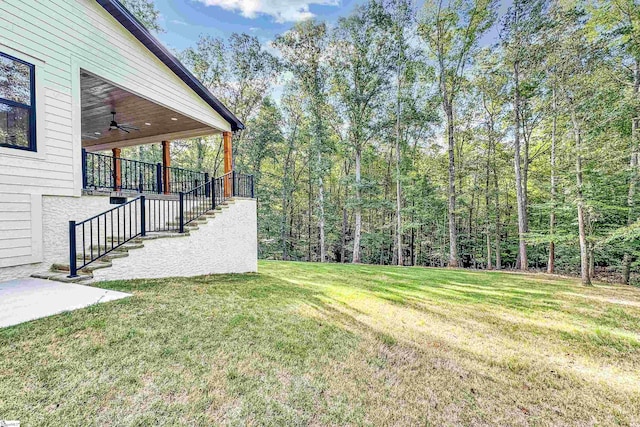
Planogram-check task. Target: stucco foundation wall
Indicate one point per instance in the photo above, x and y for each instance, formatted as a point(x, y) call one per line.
point(57, 211)
point(20, 271)
point(227, 243)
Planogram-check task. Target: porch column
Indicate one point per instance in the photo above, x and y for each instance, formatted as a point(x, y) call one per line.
point(117, 170)
point(166, 163)
point(228, 162)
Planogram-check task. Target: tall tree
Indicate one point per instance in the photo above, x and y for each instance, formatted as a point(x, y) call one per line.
point(621, 18)
point(451, 33)
point(361, 75)
point(520, 31)
point(302, 49)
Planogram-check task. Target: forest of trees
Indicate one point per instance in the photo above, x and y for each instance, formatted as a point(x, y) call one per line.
point(449, 134)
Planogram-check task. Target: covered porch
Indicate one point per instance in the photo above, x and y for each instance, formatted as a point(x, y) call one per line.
point(114, 118)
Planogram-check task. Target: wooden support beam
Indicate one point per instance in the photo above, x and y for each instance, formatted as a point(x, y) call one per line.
point(166, 163)
point(117, 170)
point(228, 162)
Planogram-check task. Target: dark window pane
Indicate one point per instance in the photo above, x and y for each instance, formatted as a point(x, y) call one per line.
point(14, 126)
point(15, 80)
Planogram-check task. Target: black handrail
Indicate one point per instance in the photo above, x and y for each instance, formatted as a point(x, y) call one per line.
point(243, 185)
point(100, 172)
point(138, 176)
point(107, 231)
point(185, 179)
point(105, 236)
point(97, 170)
point(195, 203)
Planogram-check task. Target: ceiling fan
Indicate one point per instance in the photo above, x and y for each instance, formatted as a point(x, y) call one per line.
point(123, 127)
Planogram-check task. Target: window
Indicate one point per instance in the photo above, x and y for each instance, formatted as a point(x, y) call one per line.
point(17, 104)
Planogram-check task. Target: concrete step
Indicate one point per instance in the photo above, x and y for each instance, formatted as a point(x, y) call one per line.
point(195, 222)
point(62, 277)
point(64, 268)
point(107, 257)
point(167, 234)
point(124, 248)
point(115, 240)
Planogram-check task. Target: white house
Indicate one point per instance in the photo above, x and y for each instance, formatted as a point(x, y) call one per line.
point(79, 80)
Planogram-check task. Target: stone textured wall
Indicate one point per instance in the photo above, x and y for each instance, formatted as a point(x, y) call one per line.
point(227, 243)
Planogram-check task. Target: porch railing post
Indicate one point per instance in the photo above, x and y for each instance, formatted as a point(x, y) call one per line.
point(73, 266)
point(252, 187)
point(207, 190)
point(159, 177)
point(84, 168)
point(213, 193)
point(233, 183)
point(117, 170)
point(181, 207)
point(143, 216)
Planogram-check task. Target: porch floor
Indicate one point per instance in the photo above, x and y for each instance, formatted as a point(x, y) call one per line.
point(22, 300)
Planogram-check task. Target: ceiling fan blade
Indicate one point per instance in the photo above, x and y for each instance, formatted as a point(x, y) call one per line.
point(123, 129)
point(128, 127)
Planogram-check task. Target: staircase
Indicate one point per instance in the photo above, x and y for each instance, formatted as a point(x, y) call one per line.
point(60, 271)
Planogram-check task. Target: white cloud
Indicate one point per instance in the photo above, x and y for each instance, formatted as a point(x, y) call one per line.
point(281, 10)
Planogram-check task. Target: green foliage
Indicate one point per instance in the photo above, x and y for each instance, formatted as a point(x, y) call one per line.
point(363, 109)
point(145, 11)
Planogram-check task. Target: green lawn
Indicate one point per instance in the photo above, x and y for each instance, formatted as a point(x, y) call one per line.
point(311, 344)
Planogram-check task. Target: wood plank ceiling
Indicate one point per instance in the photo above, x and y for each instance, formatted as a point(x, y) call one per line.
point(99, 98)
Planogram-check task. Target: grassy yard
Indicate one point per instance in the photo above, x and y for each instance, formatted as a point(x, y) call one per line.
point(311, 344)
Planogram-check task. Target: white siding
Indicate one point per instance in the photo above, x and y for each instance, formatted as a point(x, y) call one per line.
point(60, 37)
point(20, 227)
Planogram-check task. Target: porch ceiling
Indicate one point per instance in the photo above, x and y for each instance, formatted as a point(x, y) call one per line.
point(156, 123)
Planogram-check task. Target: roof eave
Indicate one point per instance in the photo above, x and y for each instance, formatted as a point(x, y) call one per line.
point(128, 21)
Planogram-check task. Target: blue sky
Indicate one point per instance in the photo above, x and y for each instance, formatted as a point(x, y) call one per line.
point(185, 20)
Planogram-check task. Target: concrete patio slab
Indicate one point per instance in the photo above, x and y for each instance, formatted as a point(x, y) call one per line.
point(22, 300)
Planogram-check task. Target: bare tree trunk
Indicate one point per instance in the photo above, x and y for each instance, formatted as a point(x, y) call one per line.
point(522, 215)
point(310, 209)
point(592, 261)
point(323, 249)
point(584, 249)
point(634, 162)
point(486, 203)
point(552, 215)
point(286, 190)
point(453, 234)
point(398, 183)
point(497, 204)
point(358, 213)
point(343, 246)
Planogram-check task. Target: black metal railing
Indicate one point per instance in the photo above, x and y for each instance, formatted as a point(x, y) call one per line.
point(162, 214)
point(184, 179)
point(95, 237)
point(138, 176)
point(195, 203)
point(243, 185)
point(104, 172)
point(97, 170)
